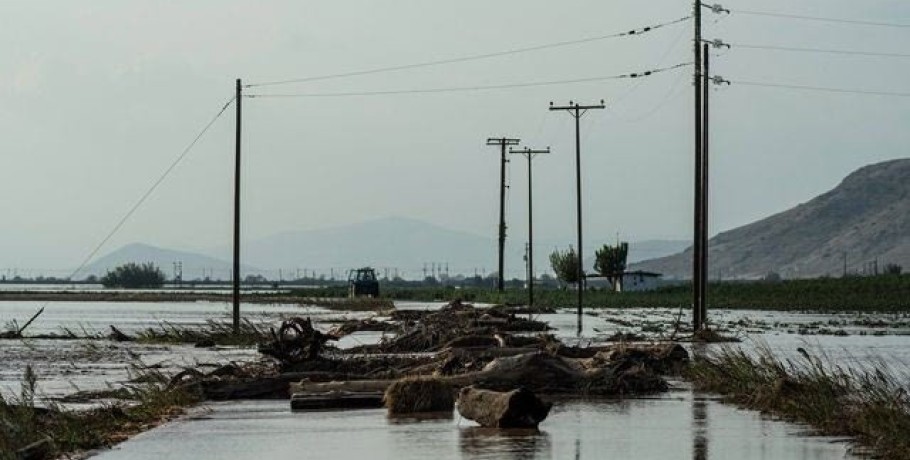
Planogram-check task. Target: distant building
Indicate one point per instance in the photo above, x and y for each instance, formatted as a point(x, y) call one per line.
point(636, 281)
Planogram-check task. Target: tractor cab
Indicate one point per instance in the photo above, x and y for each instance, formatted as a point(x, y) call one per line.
point(363, 282)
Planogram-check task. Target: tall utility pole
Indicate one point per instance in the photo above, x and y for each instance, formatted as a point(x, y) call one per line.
point(236, 278)
point(530, 154)
point(698, 252)
point(705, 196)
point(577, 111)
point(502, 143)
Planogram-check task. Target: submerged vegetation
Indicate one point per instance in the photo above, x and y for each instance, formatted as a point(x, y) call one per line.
point(866, 401)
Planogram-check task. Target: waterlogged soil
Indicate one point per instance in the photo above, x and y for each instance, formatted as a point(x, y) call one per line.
point(680, 424)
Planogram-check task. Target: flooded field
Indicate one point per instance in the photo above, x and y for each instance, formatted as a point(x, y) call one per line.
point(680, 424)
point(677, 426)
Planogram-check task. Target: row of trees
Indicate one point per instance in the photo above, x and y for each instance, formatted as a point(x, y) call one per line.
point(609, 262)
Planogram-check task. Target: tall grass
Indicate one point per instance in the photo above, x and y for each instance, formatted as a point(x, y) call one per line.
point(23, 421)
point(867, 401)
point(212, 332)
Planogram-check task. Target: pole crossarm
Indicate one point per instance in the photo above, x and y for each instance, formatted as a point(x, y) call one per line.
point(500, 141)
point(529, 152)
point(575, 107)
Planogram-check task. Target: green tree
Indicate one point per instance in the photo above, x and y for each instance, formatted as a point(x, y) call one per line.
point(610, 262)
point(565, 265)
point(133, 275)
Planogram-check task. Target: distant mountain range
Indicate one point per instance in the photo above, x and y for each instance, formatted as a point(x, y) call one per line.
point(192, 264)
point(865, 219)
point(396, 243)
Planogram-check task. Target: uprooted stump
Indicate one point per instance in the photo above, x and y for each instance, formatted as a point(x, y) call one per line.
point(296, 341)
point(413, 395)
point(519, 408)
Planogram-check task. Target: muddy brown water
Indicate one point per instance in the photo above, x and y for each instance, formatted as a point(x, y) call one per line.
point(679, 424)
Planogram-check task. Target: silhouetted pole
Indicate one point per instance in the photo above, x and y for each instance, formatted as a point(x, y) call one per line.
point(697, 249)
point(502, 142)
point(705, 196)
point(529, 154)
point(236, 277)
point(577, 111)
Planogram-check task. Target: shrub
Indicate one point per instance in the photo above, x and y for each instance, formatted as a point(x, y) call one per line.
point(132, 275)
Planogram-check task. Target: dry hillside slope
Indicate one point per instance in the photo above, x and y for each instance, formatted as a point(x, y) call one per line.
point(866, 217)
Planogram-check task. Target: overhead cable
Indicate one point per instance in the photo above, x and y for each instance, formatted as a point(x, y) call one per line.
point(457, 89)
point(820, 88)
point(821, 50)
point(821, 19)
point(151, 189)
point(475, 57)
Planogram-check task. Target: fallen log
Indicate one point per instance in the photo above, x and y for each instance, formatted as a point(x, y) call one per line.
point(539, 372)
point(38, 450)
point(513, 409)
point(262, 388)
point(336, 400)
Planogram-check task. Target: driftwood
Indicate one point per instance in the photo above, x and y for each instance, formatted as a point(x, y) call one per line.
point(336, 400)
point(260, 388)
point(296, 341)
point(119, 336)
point(17, 334)
point(513, 409)
point(38, 450)
point(539, 372)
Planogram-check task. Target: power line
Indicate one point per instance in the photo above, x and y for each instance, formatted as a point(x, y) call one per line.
point(475, 57)
point(820, 88)
point(455, 89)
point(821, 50)
point(821, 19)
point(151, 189)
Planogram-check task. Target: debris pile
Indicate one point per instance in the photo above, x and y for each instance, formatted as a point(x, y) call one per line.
point(296, 341)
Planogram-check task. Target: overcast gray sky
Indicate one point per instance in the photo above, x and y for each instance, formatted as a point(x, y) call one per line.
point(98, 97)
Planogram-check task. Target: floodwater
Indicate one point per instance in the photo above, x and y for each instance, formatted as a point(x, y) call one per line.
point(679, 424)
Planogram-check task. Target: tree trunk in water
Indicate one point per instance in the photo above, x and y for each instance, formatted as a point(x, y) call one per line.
point(513, 409)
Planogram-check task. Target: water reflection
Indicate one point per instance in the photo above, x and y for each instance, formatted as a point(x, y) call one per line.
point(699, 428)
point(513, 444)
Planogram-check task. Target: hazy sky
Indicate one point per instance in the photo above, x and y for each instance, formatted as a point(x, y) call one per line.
point(98, 97)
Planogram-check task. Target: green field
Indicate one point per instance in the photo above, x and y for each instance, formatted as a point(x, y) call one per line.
point(885, 293)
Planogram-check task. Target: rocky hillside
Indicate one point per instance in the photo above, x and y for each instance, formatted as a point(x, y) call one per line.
point(866, 218)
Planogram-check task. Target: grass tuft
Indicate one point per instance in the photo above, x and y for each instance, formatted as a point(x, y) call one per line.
point(867, 402)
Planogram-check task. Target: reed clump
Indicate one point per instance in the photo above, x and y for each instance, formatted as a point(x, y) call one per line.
point(367, 304)
point(31, 430)
point(413, 395)
point(866, 401)
point(209, 334)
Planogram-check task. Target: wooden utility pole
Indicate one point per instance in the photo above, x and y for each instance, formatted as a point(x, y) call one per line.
point(577, 111)
point(502, 143)
point(705, 196)
point(698, 252)
point(236, 278)
point(530, 154)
